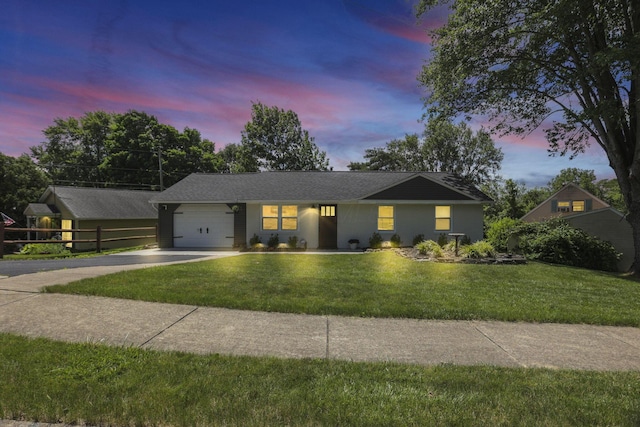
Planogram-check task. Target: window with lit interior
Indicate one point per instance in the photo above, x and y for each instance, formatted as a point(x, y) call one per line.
point(443, 218)
point(386, 219)
point(275, 217)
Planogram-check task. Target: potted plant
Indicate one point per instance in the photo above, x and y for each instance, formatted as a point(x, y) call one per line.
point(353, 243)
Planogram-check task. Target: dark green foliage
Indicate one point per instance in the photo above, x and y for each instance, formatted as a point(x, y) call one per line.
point(111, 149)
point(375, 241)
point(556, 242)
point(292, 242)
point(255, 240)
point(273, 241)
point(500, 231)
point(22, 183)
point(274, 140)
point(417, 239)
point(443, 147)
point(396, 241)
point(443, 239)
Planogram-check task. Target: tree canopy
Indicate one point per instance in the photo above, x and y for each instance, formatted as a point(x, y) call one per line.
point(445, 147)
point(130, 149)
point(22, 183)
point(274, 140)
point(570, 66)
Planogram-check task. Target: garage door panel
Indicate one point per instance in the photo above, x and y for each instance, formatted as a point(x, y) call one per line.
point(203, 226)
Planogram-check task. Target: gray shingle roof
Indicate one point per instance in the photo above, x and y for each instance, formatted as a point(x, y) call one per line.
point(299, 186)
point(104, 203)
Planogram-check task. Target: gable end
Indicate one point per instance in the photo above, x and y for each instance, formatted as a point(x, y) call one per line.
point(418, 188)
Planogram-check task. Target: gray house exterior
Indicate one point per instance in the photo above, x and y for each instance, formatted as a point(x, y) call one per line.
point(325, 209)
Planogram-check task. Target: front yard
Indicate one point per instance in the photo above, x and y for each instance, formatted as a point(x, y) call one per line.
point(382, 284)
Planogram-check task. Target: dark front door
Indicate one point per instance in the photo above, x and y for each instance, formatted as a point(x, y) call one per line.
point(328, 232)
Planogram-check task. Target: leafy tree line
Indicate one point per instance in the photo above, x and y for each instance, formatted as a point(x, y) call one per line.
point(443, 147)
point(512, 199)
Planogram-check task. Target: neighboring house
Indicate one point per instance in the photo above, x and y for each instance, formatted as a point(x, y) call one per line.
point(87, 208)
point(585, 211)
point(325, 209)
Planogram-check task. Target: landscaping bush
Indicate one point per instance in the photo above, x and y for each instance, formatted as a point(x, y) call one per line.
point(559, 243)
point(477, 250)
point(443, 239)
point(396, 241)
point(293, 242)
point(273, 241)
point(255, 240)
point(431, 248)
point(499, 232)
point(44, 248)
point(417, 239)
point(556, 242)
point(375, 241)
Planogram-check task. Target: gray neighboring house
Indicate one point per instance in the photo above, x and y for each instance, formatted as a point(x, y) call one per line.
point(325, 209)
point(62, 207)
point(583, 210)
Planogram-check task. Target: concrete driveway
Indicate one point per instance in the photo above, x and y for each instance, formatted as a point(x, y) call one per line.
point(10, 268)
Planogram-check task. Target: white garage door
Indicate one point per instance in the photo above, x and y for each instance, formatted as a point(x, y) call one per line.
point(203, 226)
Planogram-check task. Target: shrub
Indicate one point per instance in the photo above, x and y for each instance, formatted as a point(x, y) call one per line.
point(293, 242)
point(431, 248)
point(396, 241)
point(417, 239)
point(255, 240)
point(44, 248)
point(273, 241)
point(443, 239)
point(481, 249)
point(499, 232)
point(375, 241)
point(557, 242)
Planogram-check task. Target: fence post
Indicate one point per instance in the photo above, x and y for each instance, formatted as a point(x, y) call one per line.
point(1, 239)
point(98, 239)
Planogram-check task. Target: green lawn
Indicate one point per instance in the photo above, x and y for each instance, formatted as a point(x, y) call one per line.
point(382, 284)
point(47, 381)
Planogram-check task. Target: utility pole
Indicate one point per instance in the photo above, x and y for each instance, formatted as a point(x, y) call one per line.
point(160, 166)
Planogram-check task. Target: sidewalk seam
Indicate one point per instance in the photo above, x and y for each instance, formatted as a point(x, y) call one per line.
point(498, 345)
point(29, 295)
point(326, 351)
point(168, 327)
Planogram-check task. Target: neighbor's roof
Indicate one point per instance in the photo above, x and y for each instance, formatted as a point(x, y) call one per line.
point(308, 186)
point(103, 203)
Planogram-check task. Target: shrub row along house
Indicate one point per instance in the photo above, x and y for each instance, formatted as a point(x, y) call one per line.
point(324, 209)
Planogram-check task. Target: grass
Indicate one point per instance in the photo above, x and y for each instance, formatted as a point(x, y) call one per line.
point(47, 381)
point(382, 285)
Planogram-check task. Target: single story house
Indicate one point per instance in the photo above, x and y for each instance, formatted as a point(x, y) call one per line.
point(66, 208)
point(324, 209)
point(581, 209)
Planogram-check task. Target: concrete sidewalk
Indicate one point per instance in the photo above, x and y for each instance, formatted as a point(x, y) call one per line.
point(204, 330)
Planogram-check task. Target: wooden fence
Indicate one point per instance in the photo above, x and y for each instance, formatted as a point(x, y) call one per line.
point(99, 232)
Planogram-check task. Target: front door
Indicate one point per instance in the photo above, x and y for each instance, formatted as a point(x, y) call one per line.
point(328, 232)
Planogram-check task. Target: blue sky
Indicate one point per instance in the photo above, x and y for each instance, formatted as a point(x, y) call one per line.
point(348, 68)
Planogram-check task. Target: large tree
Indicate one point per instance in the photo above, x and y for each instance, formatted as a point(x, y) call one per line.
point(571, 66)
point(444, 147)
point(22, 183)
point(274, 140)
point(130, 149)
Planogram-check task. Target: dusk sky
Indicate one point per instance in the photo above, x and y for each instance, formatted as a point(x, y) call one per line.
point(348, 68)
